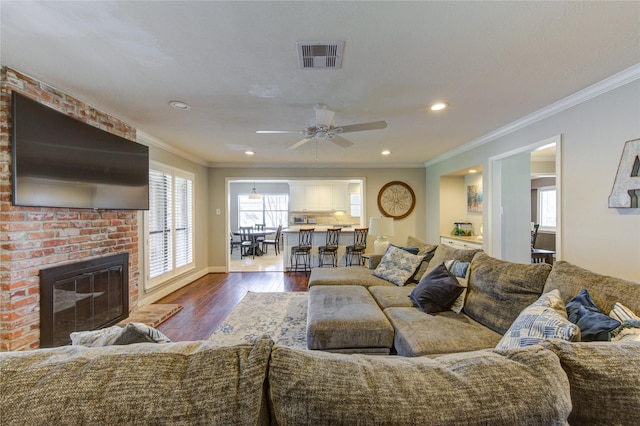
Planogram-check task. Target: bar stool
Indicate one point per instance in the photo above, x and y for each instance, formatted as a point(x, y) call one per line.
point(302, 252)
point(358, 247)
point(330, 248)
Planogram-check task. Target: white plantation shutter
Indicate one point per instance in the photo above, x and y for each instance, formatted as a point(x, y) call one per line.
point(169, 224)
point(184, 214)
point(160, 218)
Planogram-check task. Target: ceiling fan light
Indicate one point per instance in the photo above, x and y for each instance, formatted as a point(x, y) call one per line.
point(324, 118)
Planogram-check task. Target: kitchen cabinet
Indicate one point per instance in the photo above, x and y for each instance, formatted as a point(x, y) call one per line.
point(296, 198)
point(317, 197)
point(465, 243)
point(339, 197)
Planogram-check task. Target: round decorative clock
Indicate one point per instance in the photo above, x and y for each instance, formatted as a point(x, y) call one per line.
point(396, 199)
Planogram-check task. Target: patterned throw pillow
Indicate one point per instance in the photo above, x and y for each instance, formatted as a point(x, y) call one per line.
point(397, 266)
point(461, 271)
point(544, 319)
point(630, 328)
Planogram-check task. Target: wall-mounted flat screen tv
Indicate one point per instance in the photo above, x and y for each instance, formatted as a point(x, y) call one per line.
point(59, 161)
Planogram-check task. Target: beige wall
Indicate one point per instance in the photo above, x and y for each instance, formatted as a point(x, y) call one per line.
point(414, 224)
point(593, 134)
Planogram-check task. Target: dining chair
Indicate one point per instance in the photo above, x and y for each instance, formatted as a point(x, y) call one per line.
point(534, 235)
point(248, 243)
point(275, 242)
point(330, 248)
point(358, 247)
point(233, 242)
point(301, 254)
point(260, 227)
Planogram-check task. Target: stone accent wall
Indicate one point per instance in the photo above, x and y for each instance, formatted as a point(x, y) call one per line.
point(32, 238)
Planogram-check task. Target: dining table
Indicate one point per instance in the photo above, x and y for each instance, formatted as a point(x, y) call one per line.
point(254, 234)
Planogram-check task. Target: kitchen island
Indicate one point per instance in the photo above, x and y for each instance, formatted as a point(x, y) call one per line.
point(290, 239)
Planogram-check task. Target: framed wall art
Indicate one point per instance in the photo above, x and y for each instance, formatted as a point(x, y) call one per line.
point(474, 198)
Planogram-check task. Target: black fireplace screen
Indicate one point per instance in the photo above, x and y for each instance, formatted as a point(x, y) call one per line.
point(82, 296)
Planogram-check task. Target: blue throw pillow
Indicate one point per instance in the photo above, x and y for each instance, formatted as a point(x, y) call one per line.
point(412, 250)
point(594, 325)
point(436, 291)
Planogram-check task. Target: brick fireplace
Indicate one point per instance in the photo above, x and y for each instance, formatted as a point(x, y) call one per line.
point(34, 238)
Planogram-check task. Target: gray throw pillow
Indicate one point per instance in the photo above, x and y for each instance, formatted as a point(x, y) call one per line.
point(436, 291)
point(136, 332)
point(133, 332)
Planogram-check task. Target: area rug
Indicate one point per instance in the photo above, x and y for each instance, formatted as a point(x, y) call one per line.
point(152, 315)
point(283, 316)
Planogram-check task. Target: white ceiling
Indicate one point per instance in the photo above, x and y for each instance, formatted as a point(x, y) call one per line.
point(493, 62)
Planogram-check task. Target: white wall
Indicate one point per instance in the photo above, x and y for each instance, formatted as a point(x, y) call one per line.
point(593, 134)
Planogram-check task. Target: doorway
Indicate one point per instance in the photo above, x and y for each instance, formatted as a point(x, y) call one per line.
point(510, 206)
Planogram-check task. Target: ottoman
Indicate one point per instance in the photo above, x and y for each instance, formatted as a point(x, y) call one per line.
point(346, 318)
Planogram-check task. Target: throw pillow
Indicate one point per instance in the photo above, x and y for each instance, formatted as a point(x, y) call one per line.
point(412, 250)
point(461, 271)
point(436, 291)
point(593, 324)
point(102, 337)
point(444, 252)
point(423, 246)
point(622, 313)
point(427, 254)
point(137, 332)
point(544, 319)
point(133, 332)
point(397, 266)
point(630, 324)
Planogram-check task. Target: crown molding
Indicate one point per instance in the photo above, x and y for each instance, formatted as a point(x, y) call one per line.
point(611, 83)
point(147, 139)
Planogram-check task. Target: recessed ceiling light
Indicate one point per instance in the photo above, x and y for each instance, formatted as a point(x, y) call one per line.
point(438, 106)
point(180, 105)
point(473, 171)
point(249, 152)
point(386, 152)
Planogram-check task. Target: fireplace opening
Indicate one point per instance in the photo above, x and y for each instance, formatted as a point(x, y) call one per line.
point(82, 296)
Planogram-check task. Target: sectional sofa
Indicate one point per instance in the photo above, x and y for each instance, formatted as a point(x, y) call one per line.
point(552, 382)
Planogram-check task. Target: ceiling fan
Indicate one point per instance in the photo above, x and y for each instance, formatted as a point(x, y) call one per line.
point(323, 127)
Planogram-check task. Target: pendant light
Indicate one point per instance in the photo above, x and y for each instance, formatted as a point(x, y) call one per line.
point(254, 195)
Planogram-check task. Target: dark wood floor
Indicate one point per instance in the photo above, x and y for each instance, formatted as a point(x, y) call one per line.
point(207, 302)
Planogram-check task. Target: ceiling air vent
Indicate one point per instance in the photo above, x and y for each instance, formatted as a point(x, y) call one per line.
point(320, 54)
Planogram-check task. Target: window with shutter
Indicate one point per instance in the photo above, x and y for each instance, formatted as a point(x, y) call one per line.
point(169, 223)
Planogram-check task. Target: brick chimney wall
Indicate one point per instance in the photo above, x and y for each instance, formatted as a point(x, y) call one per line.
point(33, 238)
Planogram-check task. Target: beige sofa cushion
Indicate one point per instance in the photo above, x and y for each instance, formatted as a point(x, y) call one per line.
point(499, 290)
point(345, 275)
point(605, 290)
point(177, 383)
point(444, 252)
point(604, 379)
point(518, 387)
point(420, 334)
